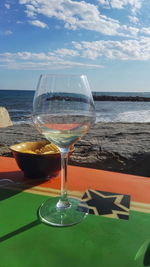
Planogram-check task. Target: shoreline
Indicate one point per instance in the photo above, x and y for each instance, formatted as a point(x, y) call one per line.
point(118, 147)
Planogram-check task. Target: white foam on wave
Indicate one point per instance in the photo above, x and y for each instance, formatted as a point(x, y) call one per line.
point(18, 110)
point(126, 116)
point(27, 121)
point(134, 116)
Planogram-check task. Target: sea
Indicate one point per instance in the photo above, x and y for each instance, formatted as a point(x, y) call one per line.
point(19, 105)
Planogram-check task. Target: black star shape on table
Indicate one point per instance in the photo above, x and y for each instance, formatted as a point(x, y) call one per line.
point(107, 204)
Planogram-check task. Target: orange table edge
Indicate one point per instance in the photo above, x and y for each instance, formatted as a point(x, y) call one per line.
point(80, 179)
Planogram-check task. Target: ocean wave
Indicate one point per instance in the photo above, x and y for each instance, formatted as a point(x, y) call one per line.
point(134, 116)
point(127, 116)
point(18, 110)
point(22, 121)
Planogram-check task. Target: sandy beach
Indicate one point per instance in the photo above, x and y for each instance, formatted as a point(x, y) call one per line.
point(118, 147)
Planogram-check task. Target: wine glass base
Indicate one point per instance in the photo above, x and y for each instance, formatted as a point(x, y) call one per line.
point(50, 214)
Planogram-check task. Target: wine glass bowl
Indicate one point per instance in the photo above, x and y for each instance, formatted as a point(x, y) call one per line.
point(63, 111)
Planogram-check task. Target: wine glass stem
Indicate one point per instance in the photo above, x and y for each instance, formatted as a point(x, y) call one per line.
point(63, 201)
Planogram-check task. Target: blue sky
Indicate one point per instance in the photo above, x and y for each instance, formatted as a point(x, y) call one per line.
point(108, 40)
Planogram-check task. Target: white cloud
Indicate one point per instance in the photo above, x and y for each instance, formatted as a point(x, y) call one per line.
point(38, 23)
point(145, 30)
point(42, 61)
point(6, 32)
point(81, 14)
point(7, 6)
point(66, 52)
point(68, 58)
point(133, 19)
point(115, 50)
point(135, 5)
point(19, 22)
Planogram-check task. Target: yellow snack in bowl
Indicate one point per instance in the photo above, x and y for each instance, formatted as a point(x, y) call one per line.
point(46, 149)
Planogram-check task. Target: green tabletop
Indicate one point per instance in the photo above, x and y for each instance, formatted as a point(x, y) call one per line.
point(97, 241)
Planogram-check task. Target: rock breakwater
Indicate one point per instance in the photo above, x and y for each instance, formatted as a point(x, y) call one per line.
point(121, 98)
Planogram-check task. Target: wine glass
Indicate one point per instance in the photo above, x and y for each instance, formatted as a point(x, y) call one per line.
point(63, 111)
